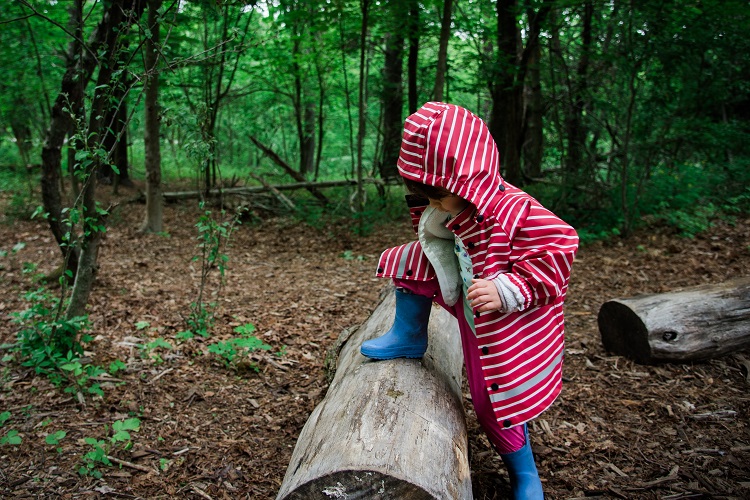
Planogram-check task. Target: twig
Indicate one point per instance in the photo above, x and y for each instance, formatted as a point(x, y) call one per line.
point(200, 492)
point(160, 375)
point(286, 201)
point(130, 465)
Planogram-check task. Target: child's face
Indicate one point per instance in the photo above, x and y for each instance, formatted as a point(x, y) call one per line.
point(450, 203)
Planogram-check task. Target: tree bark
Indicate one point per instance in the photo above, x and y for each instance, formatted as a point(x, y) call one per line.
point(393, 101)
point(533, 145)
point(362, 106)
point(442, 60)
point(154, 219)
point(80, 66)
point(688, 325)
point(506, 87)
point(415, 28)
point(387, 429)
point(575, 129)
point(115, 138)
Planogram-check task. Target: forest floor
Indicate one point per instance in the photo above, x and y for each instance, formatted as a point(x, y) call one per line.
point(619, 430)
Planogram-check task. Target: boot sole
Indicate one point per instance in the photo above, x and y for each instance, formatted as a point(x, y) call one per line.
point(380, 355)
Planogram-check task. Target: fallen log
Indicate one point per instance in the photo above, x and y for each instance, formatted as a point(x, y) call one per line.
point(242, 190)
point(688, 325)
point(387, 429)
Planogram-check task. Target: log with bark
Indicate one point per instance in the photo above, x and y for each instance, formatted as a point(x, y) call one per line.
point(688, 325)
point(387, 429)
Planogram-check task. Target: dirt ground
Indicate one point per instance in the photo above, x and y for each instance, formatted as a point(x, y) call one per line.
point(619, 430)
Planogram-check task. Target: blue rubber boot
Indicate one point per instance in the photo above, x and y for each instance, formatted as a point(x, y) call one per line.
point(524, 478)
point(407, 338)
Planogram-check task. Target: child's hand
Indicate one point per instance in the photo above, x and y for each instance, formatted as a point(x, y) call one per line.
point(483, 296)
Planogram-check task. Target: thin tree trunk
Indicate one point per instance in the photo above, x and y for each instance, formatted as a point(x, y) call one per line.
point(307, 162)
point(346, 94)
point(120, 157)
point(365, 6)
point(442, 61)
point(153, 222)
point(533, 147)
point(413, 62)
point(575, 130)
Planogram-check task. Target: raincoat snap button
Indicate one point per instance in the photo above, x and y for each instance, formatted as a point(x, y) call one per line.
point(507, 423)
point(470, 245)
point(380, 269)
point(409, 272)
point(501, 188)
point(476, 314)
point(480, 218)
point(494, 387)
point(485, 350)
point(476, 276)
point(456, 227)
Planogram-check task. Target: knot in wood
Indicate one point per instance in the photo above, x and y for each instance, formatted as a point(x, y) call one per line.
point(669, 336)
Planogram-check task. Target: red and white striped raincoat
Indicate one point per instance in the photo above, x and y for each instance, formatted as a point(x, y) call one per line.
point(505, 231)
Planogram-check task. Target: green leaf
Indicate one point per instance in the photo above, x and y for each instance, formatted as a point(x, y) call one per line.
point(3, 417)
point(11, 437)
point(55, 437)
point(129, 424)
point(245, 329)
point(116, 366)
point(142, 324)
point(121, 436)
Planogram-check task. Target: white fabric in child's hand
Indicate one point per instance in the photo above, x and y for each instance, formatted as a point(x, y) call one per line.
point(510, 294)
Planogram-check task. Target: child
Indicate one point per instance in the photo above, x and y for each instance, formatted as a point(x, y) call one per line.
point(497, 260)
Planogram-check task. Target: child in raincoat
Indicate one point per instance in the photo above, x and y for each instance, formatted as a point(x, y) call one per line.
point(497, 260)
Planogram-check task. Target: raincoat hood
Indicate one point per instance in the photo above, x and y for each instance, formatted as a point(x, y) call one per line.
point(448, 146)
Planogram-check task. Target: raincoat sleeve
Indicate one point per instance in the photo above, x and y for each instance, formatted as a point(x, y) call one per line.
point(542, 249)
point(407, 261)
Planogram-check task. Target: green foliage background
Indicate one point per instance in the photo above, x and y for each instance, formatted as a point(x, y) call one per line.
point(665, 101)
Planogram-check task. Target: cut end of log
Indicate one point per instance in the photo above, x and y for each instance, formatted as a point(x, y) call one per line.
point(623, 332)
point(358, 484)
point(692, 324)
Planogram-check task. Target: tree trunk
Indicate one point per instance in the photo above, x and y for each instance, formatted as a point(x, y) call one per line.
point(120, 156)
point(413, 61)
point(506, 116)
point(308, 138)
point(81, 64)
point(393, 102)
point(533, 146)
point(387, 429)
point(115, 137)
point(442, 60)
point(362, 107)
point(575, 130)
point(153, 222)
point(121, 15)
point(688, 325)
